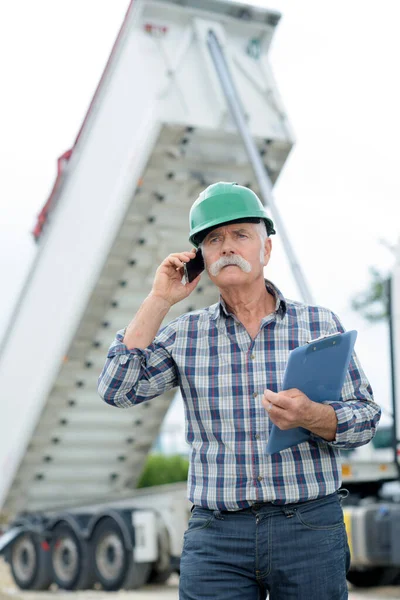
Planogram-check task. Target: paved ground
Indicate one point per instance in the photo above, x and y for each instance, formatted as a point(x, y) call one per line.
point(169, 592)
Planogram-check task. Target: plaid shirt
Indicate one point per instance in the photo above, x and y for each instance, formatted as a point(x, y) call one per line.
point(222, 374)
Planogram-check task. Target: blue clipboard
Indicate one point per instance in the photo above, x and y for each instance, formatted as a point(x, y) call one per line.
point(318, 369)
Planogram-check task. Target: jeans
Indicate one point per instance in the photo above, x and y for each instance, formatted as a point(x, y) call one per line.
point(291, 552)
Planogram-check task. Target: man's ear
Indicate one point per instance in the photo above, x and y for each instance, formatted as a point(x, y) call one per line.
point(267, 251)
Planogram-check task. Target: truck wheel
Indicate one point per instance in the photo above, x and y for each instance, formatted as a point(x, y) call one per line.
point(30, 563)
point(367, 578)
point(137, 576)
point(113, 562)
point(159, 577)
point(70, 560)
point(162, 570)
point(110, 557)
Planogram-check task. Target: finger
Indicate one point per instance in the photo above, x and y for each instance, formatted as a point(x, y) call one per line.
point(179, 259)
point(278, 399)
point(182, 261)
point(184, 255)
point(191, 286)
point(176, 262)
point(276, 413)
point(266, 402)
point(188, 255)
point(293, 392)
point(269, 406)
point(270, 397)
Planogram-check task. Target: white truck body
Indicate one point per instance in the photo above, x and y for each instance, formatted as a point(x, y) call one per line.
point(158, 131)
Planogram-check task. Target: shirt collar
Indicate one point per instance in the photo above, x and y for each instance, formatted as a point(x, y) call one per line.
point(280, 304)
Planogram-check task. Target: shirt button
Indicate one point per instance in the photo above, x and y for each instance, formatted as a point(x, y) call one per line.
point(259, 478)
point(123, 360)
point(255, 394)
point(257, 436)
point(252, 356)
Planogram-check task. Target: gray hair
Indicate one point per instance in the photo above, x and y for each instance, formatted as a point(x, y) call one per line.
point(262, 232)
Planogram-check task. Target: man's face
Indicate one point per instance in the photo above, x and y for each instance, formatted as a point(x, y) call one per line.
point(238, 243)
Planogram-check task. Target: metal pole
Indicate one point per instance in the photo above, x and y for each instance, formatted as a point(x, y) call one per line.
point(390, 309)
point(263, 179)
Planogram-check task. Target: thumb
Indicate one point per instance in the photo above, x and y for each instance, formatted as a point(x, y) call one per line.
point(269, 394)
point(193, 284)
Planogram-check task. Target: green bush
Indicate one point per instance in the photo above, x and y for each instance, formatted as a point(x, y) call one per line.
point(160, 469)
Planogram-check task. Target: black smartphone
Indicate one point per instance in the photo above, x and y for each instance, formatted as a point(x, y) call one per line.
point(194, 267)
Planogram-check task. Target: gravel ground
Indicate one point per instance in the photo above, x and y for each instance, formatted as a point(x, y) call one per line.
point(6, 580)
point(8, 591)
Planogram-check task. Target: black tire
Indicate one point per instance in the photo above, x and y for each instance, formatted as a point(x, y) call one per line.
point(113, 562)
point(137, 576)
point(159, 577)
point(162, 570)
point(70, 559)
point(110, 556)
point(373, 577)
point(30, 563)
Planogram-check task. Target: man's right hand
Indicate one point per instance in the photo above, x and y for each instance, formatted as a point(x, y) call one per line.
point(167, 290)
point(168, 279)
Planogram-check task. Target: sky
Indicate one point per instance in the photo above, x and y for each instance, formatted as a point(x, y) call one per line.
point(335, 63)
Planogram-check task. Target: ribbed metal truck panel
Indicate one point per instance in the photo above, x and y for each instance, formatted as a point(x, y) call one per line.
point(158, 131)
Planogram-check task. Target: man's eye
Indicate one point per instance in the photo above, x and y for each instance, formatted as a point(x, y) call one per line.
point(242, 235)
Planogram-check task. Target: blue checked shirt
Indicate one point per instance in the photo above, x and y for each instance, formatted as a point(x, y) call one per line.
point(222, 374)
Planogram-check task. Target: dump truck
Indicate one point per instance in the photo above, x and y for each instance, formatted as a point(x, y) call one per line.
point(158, 130)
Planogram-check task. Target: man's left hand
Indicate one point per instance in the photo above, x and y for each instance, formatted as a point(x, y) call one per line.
point(291, 408)
point(288, 409)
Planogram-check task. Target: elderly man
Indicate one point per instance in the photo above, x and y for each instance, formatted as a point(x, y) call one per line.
point(260, 524)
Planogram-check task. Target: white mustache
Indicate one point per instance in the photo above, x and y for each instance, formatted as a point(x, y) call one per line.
point(224, 261)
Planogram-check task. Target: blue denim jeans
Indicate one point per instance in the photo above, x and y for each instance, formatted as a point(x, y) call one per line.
point(291, 552)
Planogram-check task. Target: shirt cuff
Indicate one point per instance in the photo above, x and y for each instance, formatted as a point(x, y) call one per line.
point(118, 348)
point(345, 425)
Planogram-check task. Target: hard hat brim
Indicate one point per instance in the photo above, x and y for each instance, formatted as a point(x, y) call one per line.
point(197, 237)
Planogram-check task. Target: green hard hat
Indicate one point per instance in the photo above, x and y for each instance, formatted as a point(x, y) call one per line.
point(225, 202)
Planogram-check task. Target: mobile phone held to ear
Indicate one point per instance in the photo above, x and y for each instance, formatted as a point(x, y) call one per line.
point(193, 268)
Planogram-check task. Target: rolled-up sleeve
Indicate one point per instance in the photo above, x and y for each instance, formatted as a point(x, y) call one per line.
point(357, 413)
point(131, 376)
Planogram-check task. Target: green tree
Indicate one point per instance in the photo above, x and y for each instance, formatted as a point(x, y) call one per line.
point(372, 304)
point(160, 469)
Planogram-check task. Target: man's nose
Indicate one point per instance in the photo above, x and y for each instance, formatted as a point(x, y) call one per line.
point(227, 248)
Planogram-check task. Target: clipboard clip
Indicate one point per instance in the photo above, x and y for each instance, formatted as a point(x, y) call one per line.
point(322, 337)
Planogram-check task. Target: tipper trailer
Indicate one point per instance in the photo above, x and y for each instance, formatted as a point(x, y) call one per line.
point(187, 98)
